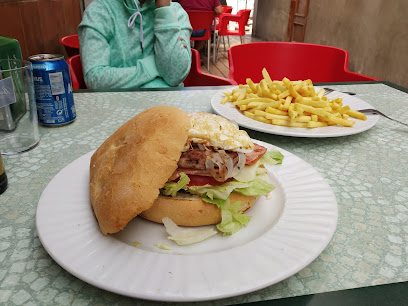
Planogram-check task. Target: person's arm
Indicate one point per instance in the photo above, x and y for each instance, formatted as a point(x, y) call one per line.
point(217, 7)
point(218, 10)
point(95, 32)
point(172, 46)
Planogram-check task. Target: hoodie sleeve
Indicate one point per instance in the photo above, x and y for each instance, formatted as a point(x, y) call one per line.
point(95, 32)
point(172, 29)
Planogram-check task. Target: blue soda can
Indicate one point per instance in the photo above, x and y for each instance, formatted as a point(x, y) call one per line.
point(53, 89)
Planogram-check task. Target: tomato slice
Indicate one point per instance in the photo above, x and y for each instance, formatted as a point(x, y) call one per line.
point(199, 180)
point(255, 155)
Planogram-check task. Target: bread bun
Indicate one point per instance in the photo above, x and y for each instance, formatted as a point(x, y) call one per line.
point(191, 211)
point(129, 168)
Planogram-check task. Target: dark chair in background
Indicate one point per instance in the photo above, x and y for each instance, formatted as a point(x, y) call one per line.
point(296, 61)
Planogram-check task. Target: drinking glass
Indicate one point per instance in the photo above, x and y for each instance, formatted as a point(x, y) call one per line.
point(18, 111)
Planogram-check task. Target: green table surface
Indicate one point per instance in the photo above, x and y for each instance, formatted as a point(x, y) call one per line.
point(368, 173)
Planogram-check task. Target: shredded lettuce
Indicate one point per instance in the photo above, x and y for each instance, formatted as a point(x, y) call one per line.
point(171, 188)
point(185, 235)
point(232, 220)
point(162, 246)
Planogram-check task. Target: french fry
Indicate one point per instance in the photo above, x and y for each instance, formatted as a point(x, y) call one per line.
point(249, 115)
point(251, 85)
point(266, 77)
point(356, 114)
point(262, 119)
point(303, 118)
point(276, 111)
point(316, 111)
point(315, 124)
point(288, 123)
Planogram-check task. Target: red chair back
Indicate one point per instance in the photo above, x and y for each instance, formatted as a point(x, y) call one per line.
point(71, 44)
point(241, 18)
point(296, 61)
point(226, 9)
point(75, 69)
point(201, 20)
point(197, 77)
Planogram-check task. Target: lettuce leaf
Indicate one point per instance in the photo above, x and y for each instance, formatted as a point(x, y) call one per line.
point(272, 158)
point(171, 188)
point(213, 194)
point(232, 220)
point(258, 187)
point(217, 192)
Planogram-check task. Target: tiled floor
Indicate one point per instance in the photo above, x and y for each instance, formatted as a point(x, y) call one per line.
point(221, 67)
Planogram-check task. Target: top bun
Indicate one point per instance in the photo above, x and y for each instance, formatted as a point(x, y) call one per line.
point(129, 168)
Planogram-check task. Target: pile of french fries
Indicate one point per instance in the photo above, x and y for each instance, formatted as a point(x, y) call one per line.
point(290, 103)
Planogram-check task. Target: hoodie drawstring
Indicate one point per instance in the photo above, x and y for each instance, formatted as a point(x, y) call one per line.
point(131, 23)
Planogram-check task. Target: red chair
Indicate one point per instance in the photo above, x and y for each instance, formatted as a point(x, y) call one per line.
point(241, 18)
point(225, 10)
point(197, 77)
point(71, 44)
point(75, 69)
point(296, 61)
point(202, 20)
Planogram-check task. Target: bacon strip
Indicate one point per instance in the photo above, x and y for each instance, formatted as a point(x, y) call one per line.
point(193, 161)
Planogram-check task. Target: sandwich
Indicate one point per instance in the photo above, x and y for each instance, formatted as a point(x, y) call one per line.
point(195, 169)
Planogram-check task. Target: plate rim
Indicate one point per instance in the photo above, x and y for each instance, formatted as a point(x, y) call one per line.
point(184, 298)
point(243, 121)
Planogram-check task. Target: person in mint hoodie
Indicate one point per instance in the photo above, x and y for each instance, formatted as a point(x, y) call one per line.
point(135, 44)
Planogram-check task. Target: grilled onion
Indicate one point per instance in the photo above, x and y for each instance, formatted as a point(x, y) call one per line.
point(222, 166)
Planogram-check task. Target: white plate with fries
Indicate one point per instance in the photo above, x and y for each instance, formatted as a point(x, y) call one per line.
point(293, 109)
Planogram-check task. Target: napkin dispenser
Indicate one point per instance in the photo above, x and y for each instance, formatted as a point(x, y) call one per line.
point(11, 113)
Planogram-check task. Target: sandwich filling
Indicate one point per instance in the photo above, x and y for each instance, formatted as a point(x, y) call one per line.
point(219, 159)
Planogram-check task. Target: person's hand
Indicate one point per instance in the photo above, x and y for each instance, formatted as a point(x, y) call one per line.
point(161, 3)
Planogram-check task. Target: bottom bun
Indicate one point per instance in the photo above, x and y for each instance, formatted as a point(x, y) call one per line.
point(191, 210)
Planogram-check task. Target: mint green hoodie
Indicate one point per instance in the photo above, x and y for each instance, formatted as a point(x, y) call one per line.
point(111, 51)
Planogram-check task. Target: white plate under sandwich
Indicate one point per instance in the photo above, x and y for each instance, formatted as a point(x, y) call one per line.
point(229, 111)
point(286, 233)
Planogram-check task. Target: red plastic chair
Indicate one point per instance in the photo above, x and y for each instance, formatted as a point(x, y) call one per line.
point(202, 20)
point(75, 69)
point(71, 44)
point(296, 61)
point(225, 10)
point(197, 77)
point(241, 18)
